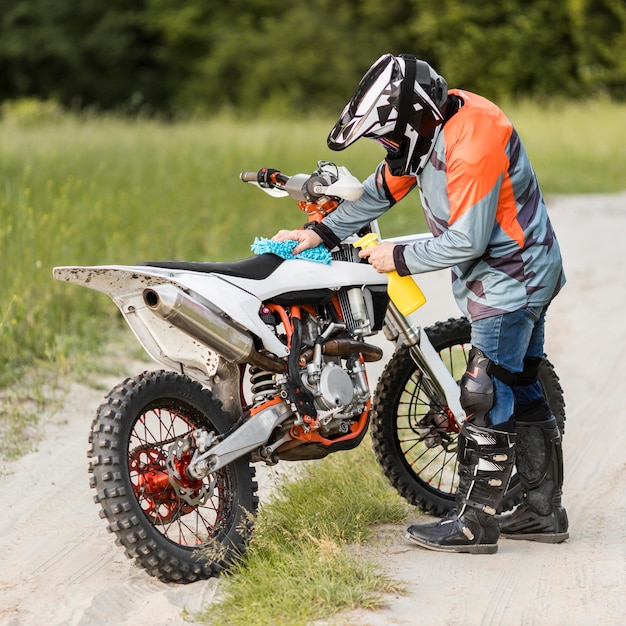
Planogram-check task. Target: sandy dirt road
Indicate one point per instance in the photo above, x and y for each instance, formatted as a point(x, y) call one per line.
point(58, 565)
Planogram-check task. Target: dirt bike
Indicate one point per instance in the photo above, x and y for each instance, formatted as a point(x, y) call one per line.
point(266, 361)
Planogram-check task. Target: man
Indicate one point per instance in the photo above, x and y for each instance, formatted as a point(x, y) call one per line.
point(490, 225)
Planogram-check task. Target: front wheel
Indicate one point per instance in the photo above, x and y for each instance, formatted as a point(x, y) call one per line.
point(177, 528)
point(415, 438)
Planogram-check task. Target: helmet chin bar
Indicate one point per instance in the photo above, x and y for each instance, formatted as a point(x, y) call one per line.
point(397, 160)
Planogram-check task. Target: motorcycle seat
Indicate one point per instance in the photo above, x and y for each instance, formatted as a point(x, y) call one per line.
point(257, 267)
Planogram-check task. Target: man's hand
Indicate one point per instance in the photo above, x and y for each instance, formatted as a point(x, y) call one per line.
point(380, 257)
point(307, 238)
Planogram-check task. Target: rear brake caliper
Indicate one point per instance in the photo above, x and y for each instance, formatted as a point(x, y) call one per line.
point(193, 491)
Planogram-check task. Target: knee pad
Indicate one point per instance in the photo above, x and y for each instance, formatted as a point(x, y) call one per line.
point(477, 396)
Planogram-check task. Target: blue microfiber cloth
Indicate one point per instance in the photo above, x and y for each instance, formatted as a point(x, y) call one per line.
point(319, 254)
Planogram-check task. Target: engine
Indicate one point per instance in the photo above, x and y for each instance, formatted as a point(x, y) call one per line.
point(326, 382)
point(339, 392)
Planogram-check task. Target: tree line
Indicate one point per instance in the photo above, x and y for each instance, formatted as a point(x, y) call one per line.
point(301, 55)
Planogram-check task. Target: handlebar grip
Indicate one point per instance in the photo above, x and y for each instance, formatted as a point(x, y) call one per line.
point(249, 177)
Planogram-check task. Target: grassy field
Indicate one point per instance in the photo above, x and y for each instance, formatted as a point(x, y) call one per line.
point(105, 191)
point(99, 191)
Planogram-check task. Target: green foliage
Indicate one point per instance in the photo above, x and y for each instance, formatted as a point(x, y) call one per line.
point(297, 568)
point(502, 48)
point(520, 49)
point(302, 56)
point(100, 52)
point(599, 32)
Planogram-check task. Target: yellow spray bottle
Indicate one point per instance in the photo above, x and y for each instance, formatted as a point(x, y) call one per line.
point(403, 290)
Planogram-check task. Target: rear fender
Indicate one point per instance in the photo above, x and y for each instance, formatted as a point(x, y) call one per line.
point(165, 343)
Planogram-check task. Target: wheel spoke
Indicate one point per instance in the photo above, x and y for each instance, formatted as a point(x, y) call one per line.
point(416, 438)
point(162, 516)
point(178, 521)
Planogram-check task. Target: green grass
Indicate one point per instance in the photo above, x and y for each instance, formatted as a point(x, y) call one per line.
point(93, 191)
point(298, 568)
point(575, 148)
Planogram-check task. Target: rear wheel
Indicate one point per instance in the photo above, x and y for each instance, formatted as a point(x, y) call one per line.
point(415, 438)
point(178, 528)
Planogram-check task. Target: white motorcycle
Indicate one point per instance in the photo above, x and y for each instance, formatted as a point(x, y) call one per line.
point(266, 361)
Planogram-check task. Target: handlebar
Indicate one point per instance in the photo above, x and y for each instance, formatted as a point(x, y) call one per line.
point(266, 177)
point(327, 182)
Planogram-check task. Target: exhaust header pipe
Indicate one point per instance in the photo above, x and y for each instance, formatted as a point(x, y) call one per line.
point(345, 348)
point(205, 325)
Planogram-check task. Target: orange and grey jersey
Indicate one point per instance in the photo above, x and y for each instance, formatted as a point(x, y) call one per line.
point(484, 207)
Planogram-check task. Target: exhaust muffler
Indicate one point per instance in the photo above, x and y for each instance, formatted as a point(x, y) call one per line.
point(202, 323)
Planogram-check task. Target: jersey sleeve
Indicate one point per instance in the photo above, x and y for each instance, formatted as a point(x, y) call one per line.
point(381, 191)
point(476, 164)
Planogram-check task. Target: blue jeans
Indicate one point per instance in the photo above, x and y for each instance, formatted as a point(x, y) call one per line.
point(507, 340)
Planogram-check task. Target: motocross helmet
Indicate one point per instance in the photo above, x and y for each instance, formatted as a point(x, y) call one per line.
point(398, 103)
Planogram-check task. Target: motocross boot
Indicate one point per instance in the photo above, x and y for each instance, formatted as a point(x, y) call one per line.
point(540, 516)
point(486, 457)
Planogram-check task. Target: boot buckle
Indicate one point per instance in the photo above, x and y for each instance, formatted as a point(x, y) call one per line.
point(468, 533)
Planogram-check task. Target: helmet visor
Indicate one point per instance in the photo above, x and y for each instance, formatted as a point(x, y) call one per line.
point(360, 115)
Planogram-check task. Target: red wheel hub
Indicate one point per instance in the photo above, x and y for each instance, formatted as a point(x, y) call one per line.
point(153, 487)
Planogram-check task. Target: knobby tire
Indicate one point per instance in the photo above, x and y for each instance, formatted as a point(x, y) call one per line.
point(428, 476)
point(172, 539)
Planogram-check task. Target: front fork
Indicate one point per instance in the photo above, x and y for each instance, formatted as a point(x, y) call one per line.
point(437, 379)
